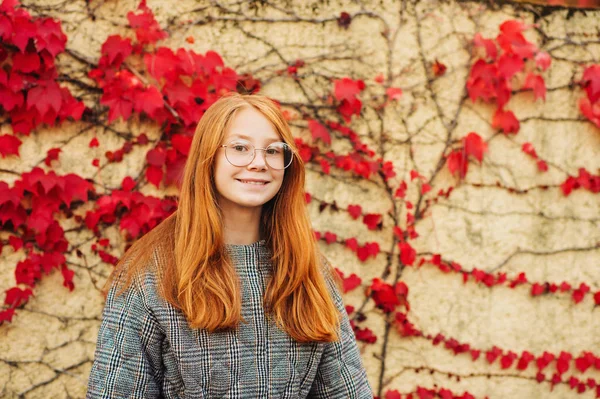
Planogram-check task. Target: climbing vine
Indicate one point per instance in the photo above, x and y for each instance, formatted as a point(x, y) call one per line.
point(137, 78)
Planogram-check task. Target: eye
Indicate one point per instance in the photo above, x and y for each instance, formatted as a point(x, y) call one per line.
point(276, 149)
point(240, 147)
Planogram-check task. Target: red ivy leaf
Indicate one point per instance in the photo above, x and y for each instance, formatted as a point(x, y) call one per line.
point(509, 65)
point(457, 162)
point(347, 89)
point(438, 68)
point(528, 149)
point(405, 327)
point(585, 361)
point(9, 145)
point(351, 282)
point(401, 190)
point(7, 315)
point(146, 28)
point(580, 292)
point(407, 253)
point(156, 157)
point(507, 360)
point(149, 100)
point(591, 82)
point(365, 335)
point(512, 40)
point(597, 298)
point(319, 131)
point(330, 237)
point(393, 93)
point(23, 31)
point(562, 363)
point(52, 155)
point(474, 145)
point(347, 108)
point(344, 20)
point(26, 62)
point(16, 296)
point(325, 166)
point(568, 185)
point(50, 36)
point(506, 121)
point(369, 249)
point(15, 242)
point(181, 143)
point(493, 354)
point(543, 60)
point(154, 175)
point(384, 296)
point(526, 358)
point(485, 82)
point(538, 289)
point(142, 139)
point(68, 277)
point(544, 360)
point(537, 84)
point(352, 244)
point(45, 96)
point(128, 183)
point(355, 211)
point(373, 221)
point(488, 44)
point(393, 395)
point(116, 50)
point(590, 111)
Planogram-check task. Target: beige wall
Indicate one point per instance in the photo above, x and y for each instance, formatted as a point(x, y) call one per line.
point(47, 351)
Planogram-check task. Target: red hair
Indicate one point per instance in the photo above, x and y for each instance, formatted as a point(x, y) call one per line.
point(197, 275)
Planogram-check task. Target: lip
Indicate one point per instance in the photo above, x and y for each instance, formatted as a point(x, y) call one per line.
point(253, 180)
point(250, 185)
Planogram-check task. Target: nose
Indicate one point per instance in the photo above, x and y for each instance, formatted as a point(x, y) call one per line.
point(259, 161)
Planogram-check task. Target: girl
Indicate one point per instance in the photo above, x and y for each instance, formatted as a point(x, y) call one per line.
point(229, 297)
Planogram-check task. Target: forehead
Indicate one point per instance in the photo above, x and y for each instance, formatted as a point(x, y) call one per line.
point(249, 124)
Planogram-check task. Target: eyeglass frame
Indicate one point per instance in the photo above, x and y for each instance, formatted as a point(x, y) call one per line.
point(254, 154)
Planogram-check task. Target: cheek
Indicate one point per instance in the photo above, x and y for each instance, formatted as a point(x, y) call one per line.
point(221, 167)
point(279, 181)
point(220, 175)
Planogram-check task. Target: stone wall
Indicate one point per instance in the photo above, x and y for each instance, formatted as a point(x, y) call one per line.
point(505, 216)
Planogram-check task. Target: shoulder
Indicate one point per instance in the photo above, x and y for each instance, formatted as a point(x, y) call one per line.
point(332, 278)
point(139, 276)
point(328, 270)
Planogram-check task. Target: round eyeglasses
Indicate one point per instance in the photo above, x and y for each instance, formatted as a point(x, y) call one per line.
point(241, 153)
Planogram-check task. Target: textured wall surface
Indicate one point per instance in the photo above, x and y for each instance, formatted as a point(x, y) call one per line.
point(505, 216)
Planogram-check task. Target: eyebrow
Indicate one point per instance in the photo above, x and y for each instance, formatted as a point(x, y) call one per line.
point(243, 136)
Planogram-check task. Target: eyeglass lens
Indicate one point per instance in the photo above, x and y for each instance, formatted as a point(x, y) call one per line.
point(241, 153)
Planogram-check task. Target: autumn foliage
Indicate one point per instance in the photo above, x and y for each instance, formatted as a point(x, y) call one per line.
point(139, 79)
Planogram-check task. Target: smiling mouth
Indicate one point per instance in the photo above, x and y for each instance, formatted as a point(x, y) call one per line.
point(256, 183)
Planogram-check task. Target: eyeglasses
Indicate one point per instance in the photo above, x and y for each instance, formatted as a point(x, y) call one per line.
point(241, 153)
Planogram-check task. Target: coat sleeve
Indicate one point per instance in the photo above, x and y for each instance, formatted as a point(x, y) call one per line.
point(127, 361)
point(341, 373)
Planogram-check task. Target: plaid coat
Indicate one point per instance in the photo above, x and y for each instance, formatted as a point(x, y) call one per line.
point(146, 349)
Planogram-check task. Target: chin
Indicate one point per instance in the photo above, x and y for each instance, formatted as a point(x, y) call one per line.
point(246, 203)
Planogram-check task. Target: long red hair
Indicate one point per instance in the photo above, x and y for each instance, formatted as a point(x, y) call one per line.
point(196, 274)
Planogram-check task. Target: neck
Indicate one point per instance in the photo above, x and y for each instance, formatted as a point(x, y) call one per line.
point(241, 226)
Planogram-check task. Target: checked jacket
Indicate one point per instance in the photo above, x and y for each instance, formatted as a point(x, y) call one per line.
point(146, 349)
